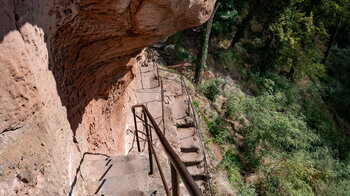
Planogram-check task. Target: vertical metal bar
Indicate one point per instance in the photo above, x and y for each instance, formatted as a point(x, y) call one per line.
point(162, 95)
point(188, 181)
point(158, 75)
point(149, 145)
point(188, 106)
point(150, 134)
point(182, 86)
point(136, 131)
point(153, 63)
point(160, 172)
point(175, 181)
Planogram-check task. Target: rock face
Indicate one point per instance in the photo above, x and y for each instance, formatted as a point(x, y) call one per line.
point(64, 71)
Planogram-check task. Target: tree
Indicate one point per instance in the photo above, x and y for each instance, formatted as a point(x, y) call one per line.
point(202, 57)
point(294, 45)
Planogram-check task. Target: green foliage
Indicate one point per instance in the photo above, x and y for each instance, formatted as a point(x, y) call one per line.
point(247, 190)
point(211, 88)
point(225, 17)
point(181, 48)
point(290, 139)
point(295, 47)
point(195, 103)
point(231, 164)
point(337, 82)
point(219, 130)
point(233, 58)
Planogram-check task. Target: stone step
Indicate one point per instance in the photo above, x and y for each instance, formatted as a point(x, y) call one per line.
point(185, 132)
point(130, 193)
point(121, 185)
point(181, 109)
point(189, 149)
point(185, 122)
point(196, 170)
point(188, 140)
point(115, 166)
point(191, 158)
point(187, 144)
point(199, 177)
point(184, 192)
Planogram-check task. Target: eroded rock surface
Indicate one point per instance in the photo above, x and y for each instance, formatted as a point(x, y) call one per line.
point(64, 70)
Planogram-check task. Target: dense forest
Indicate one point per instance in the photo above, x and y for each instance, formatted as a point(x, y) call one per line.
point(291, 63)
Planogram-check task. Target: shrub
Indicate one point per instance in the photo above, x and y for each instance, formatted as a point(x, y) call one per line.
point(231, 164)
point(195, 103)
point(247, 190)
point(290, 139)
point(211, 88)
point(218, 129)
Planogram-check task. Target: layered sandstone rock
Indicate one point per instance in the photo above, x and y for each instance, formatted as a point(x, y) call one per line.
point(64, 70)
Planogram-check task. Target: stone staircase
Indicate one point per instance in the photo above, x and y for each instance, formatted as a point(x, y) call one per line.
point(191, 152)
point(115, 175)
point(128, 175)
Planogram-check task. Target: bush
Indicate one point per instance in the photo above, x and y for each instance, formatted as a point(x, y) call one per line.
point(181, 50)
point(225, 17)
point(247, 190)
point(195, 103)
point(211, 88)
point(290, 139)
point(231, 164)
point(218, 129)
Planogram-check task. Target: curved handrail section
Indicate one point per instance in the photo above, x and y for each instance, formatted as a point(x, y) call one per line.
point(175, 160)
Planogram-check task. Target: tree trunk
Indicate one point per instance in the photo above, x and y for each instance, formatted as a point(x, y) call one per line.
point(334, 35)
point(202, 57)
point(241, 28)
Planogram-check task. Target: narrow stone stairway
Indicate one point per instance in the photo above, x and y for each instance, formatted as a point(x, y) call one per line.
point(129, 175)
point(115, 175)
point(191, 152)
point(147, 91)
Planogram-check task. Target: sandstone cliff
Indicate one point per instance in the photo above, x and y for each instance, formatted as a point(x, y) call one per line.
point(64, 70)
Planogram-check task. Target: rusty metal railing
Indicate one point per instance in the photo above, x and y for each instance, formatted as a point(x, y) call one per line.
point(178, 168)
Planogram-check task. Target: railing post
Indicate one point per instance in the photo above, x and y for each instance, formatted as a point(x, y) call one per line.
point(136, 131)
point(174, 181)
point(162, 95)
point(149, 145)
point(188, 106)
point(158, 75)
point(182, 85)
point(150, 133)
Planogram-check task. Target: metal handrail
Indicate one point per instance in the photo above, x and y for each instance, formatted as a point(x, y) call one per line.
point(175, 160)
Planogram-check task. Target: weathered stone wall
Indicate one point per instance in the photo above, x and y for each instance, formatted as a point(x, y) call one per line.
point(64, 68)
